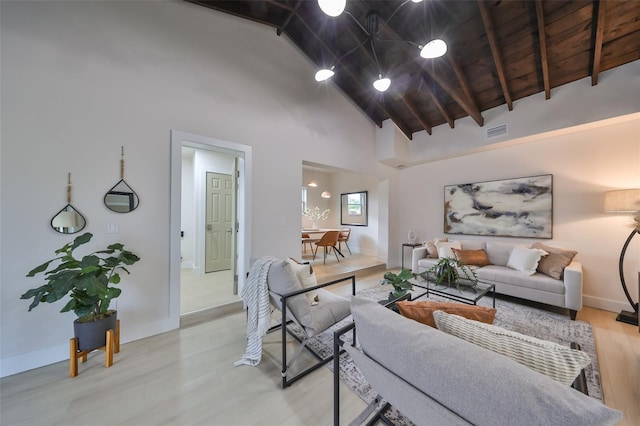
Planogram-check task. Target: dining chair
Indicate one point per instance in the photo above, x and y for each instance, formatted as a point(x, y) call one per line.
point(343, 237)
point(328, 241)
point(307, 239)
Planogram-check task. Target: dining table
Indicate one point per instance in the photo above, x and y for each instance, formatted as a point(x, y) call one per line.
point(322, 231)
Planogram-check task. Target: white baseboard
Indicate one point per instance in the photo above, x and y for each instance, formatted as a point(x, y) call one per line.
point(40, 358)
point(605, 304)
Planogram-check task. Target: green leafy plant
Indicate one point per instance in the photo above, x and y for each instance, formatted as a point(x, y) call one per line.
point(87, 281)
point(400, 282)
point(448, 270)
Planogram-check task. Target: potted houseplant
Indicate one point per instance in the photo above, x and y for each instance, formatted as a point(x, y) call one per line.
point(90, 284)
point(447, 270)
point(399, 281)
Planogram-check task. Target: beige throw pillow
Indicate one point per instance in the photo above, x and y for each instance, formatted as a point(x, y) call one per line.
point(554, 263)
point(307, 279)
point(432, 250)
point(444, 248)
point(561, 363)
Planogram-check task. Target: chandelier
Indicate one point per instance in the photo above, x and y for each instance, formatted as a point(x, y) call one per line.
point(433, 49)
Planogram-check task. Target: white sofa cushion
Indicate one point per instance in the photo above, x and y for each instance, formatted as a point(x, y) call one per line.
point(502, 274)
point(499, 252)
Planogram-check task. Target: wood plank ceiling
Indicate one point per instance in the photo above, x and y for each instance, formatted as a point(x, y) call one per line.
point(498, 51)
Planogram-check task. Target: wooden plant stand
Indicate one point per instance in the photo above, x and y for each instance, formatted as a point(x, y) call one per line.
point(112, 346)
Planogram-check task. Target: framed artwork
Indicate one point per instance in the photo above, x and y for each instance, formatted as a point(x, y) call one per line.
point(353, 209)
point(520, 207)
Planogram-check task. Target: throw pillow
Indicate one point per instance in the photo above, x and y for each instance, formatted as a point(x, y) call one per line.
point(472, 257)
point(422, 311)
point(307, 279)
point(432, 250)
point(561, 363)
point(554, 263)
point(525, 259)
point(444, 248)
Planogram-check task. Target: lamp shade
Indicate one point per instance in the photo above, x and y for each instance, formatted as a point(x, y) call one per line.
point(332, 7)
point(312, 183)
point(382, 84)
point(433, 49)
point(326, 194)
point(622, 201)
point(324, 74)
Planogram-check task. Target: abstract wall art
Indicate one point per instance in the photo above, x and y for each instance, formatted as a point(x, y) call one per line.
point(520, 207)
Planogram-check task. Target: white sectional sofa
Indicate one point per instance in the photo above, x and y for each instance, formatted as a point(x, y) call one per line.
point(563, 290)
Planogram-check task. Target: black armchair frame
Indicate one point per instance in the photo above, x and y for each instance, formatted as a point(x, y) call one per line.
point(283, 326)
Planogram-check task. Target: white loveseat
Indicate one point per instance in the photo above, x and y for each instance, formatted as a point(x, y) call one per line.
point(564, 291)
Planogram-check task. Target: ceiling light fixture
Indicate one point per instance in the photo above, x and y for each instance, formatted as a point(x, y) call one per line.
point(312, 183)
point(433, 49)
point(326, 194)
point(332, 7)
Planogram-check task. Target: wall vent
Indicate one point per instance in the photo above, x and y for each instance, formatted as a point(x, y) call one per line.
point(497, 131)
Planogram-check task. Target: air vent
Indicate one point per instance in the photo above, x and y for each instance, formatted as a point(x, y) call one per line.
point(497, 131)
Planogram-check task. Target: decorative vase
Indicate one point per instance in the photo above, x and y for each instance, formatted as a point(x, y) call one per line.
point(93, 334)
point(315, 225)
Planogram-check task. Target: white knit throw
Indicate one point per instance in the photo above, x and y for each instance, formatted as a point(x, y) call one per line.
point(255, 296)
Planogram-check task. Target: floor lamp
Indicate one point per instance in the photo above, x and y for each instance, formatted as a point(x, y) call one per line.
point(626, 201)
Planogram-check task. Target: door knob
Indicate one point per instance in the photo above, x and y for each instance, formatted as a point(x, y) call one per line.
point(209, 228)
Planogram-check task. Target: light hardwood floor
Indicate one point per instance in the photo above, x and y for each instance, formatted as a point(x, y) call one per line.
point(187, 377)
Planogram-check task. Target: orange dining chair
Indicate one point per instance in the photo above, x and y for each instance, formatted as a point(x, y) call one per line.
point(328, 241)
point(343, 237)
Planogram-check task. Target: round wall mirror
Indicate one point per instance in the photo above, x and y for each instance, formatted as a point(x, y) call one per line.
point(68, 221)
point(121, 198)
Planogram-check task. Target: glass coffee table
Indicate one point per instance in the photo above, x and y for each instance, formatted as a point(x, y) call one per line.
point(464, 292)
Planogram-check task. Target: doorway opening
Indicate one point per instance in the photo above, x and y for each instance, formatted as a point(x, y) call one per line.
point(209, 213)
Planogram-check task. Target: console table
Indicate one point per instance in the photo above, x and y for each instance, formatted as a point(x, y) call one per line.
point(411, 246)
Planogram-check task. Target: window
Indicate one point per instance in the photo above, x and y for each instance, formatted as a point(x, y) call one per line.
point(353, 208)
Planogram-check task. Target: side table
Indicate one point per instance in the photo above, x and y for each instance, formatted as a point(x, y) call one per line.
point(411, 246)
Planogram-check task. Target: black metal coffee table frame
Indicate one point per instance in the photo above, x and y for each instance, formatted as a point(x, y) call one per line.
point(466, 293)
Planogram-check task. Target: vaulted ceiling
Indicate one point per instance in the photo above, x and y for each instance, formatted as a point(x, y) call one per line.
point(498, 51)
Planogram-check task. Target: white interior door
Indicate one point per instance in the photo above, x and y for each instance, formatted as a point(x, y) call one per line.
point(219, 222)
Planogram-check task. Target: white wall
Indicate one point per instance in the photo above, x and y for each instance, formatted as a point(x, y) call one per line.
point(80, 79)
point(585, 162)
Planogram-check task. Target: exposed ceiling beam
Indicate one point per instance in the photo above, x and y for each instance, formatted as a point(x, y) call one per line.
point(281, 29)
point(399, 122)
point(416, 112)
point(376, 120)
point(466, 105)
point(597, 51)
point(544, 59)
point(456, 96)
point(495, 51)
point(464, 83)
point(447, 116)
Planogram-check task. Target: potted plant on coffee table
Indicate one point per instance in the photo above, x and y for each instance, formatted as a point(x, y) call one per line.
point(448, 271)
point(89, 282)
point(399, 282)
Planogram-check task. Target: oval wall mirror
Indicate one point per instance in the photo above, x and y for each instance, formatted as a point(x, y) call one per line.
point(68, 220)
point(121, 198)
